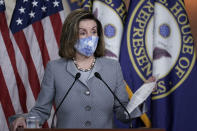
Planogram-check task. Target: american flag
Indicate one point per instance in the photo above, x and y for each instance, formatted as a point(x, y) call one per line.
point(31, 40)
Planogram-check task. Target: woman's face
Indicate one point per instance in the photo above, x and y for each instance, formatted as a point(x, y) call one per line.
point(87, 28)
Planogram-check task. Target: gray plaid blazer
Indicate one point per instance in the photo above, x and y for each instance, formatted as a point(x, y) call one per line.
point(89, 105)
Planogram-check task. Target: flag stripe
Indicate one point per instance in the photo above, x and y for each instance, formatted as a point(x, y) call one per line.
point(49, 37)
point(24, 48)
point(7, 106)
point(34, 51)
point(62, 15)
point(56, 22)
point(10, 51)
point(3, 123)
point(23, 72)
point(38, 29)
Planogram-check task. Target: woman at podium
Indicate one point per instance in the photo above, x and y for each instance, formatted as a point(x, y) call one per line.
point(86, 87)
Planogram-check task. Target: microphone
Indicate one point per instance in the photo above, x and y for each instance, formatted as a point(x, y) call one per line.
point(76, 78)
point(97, 75)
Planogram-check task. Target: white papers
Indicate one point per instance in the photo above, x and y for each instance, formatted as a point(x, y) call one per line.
point(140, 95)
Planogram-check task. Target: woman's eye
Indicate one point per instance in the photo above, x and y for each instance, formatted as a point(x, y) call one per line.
point(94, 32)
point(82, 33)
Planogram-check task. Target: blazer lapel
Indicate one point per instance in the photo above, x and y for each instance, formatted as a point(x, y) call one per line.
point(97, 68)
point(71, 68)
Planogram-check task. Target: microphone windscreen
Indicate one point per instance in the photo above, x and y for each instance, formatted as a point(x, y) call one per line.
point(97, 75)
point(77, 76)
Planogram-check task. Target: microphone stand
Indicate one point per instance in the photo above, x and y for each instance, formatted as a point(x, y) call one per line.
point(76, 77)
point(99, 77)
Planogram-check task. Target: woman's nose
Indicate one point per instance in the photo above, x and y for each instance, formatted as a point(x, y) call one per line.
point(89, 34)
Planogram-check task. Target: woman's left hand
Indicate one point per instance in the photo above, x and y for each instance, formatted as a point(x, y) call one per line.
point(150, 79)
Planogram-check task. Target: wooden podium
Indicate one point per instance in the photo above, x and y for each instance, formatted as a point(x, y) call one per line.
point(55, 129)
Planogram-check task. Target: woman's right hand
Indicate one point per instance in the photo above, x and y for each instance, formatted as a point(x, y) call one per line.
point(18, 122)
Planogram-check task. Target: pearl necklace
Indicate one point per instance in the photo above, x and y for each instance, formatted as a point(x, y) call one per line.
point(84, 70)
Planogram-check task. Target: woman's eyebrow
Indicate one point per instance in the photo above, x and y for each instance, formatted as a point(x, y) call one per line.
point(94, 26)
point(82, 28)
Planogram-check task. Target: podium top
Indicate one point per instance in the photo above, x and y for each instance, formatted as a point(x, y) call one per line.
point(56, 129)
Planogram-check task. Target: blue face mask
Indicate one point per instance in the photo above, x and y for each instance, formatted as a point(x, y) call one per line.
point(87, 46)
